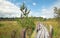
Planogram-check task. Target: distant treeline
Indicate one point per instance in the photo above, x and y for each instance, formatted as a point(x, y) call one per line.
point(14, 19)
point(8, 19)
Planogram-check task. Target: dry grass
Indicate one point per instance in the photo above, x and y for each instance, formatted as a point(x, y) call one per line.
point(56, 28)
point(8, 27)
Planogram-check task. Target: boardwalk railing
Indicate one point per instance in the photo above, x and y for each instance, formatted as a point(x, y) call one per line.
point(42, 31)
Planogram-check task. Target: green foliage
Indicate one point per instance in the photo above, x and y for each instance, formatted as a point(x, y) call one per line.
point(9, 26)
point(57, 12)
point(22, 7)
point(1, 25)
point(24, 10)
point(27, 23)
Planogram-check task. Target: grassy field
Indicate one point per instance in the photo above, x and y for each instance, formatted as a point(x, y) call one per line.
point(6, 28)
point(56, 28)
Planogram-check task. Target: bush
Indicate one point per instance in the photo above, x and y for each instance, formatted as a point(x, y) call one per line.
point(1, 25)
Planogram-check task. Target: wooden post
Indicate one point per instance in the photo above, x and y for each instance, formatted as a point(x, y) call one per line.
point(51, 31)
point(23, 33)
point(13, 34)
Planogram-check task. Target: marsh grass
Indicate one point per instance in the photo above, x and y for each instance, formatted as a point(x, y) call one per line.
point(6, 28)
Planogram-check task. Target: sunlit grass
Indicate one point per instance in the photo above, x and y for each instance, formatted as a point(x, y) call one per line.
point(9, 26)
point(6, 27)
point(56, 28)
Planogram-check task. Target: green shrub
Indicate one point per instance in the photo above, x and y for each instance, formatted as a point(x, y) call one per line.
point(1, 25)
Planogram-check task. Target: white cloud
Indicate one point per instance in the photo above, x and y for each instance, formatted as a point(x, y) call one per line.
point(49, 12)
point(1, 0)
point(34, 4)
point(8, 9)
point(44, 10)
point(43, 16)
point(12, 0)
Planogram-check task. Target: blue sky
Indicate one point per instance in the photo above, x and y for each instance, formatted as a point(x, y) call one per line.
point(43, 8)
point(34, 5)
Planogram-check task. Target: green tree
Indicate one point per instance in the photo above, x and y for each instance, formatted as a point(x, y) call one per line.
point(25, 22)
point(25, 11)
point(57, 14)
